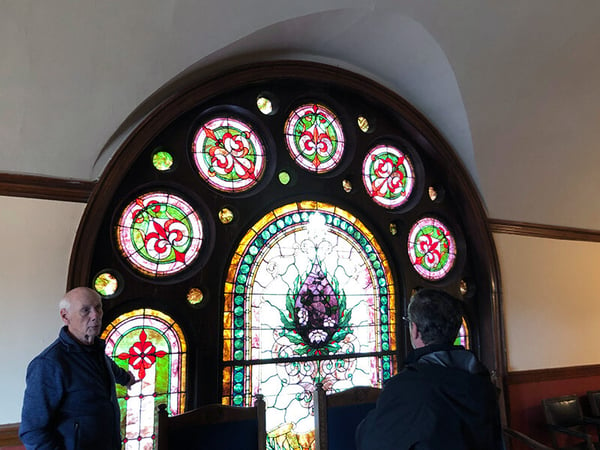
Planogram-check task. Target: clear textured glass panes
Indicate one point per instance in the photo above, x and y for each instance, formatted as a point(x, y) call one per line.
point(315, 138)
point(226, 215)
point(347, 186)
point(195, 296)
point(106, 284)
point(151, 345)
point(388, 176)
point(159, 234)
point(264, 105)
point(363, 124)
point(307, 281)
point(162, 160)
point(229, 155)
point(284, 177)
point(431, 248)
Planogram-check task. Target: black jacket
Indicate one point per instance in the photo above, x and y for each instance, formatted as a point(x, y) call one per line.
point(70, 401)
point(443, 399)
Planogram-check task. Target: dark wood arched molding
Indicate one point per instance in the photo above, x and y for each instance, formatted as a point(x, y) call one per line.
point(454, 177)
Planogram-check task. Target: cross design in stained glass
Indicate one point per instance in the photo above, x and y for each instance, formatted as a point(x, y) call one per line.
point(229, 155)
point(431, 248)
point(309, 298)
point(388, 176)
point(159, 234)
point(142, 355)
point(315, 138)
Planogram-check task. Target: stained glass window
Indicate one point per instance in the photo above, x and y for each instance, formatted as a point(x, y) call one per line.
point(150, 345)
point(259, 146)
point(314, 138)
point(463, 335)
point(309, 299)
point(159, 234)
point(431, 248)
point(229, 155)
point(388, 176)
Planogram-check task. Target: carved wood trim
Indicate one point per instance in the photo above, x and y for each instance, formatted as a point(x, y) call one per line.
point(543, 231)
point(9, 434)
point(560, 373)
point(47, 188)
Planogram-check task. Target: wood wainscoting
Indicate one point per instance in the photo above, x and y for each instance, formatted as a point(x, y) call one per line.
point(9, 436)
point(526, 389)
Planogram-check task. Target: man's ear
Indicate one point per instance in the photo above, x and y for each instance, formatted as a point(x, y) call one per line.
point(64, 315)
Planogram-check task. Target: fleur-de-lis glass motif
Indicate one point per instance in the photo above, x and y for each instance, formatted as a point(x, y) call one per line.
point(431, 248)
point(388, 176)
point(229, 155)
point(315, 138)
point(159, 234)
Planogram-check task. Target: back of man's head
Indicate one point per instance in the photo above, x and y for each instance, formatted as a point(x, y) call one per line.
point(437, 315)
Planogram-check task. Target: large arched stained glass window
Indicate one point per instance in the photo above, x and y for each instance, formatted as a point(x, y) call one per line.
point(309, 299)
point(149, 344)
point(292, 313)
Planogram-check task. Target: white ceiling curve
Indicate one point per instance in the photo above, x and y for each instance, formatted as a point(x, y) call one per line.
point(513, 86)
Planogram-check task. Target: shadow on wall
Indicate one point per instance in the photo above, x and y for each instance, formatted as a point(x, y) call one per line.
point(390, 48)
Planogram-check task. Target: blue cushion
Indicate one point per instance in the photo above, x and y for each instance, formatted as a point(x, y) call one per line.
point(222, 436)
point(342, 422)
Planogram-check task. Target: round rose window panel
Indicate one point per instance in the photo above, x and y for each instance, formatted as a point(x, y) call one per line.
point(159, 234)
point(314, 138)
point(431, 248)
point(228, 154)
point(388, 176)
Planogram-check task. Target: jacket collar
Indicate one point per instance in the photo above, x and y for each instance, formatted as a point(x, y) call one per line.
point(452, 356)
point(73, 345)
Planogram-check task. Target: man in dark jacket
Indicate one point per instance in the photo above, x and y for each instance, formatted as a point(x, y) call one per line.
point(70, 400)
point(443, 399)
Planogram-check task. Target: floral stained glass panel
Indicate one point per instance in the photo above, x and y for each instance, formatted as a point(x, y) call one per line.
point(149, 344)
point(388, 176)
point(315, 138)
point(229, 154)
point(431, 248)
point(159, 234)
point(309, 299)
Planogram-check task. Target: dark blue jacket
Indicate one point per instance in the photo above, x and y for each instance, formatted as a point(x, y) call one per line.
point(70, 400)
point(443, 399)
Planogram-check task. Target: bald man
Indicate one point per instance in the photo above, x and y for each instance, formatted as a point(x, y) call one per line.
point(70, 400)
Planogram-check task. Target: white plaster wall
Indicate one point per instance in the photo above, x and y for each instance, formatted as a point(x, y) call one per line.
point(551, 301)
point(37, 237)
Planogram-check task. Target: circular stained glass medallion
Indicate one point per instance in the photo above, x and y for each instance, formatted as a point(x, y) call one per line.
point(162, 160)
point(431, 248)
point(228, 154)
point(315, 138)
point(159, 234)
point(388, 176)
point(106, 284)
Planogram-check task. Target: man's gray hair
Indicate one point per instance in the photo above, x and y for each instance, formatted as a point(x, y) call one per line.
point(64, 303)
point(437, 314)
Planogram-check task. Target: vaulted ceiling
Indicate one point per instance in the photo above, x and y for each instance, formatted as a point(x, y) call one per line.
point(512, 85)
